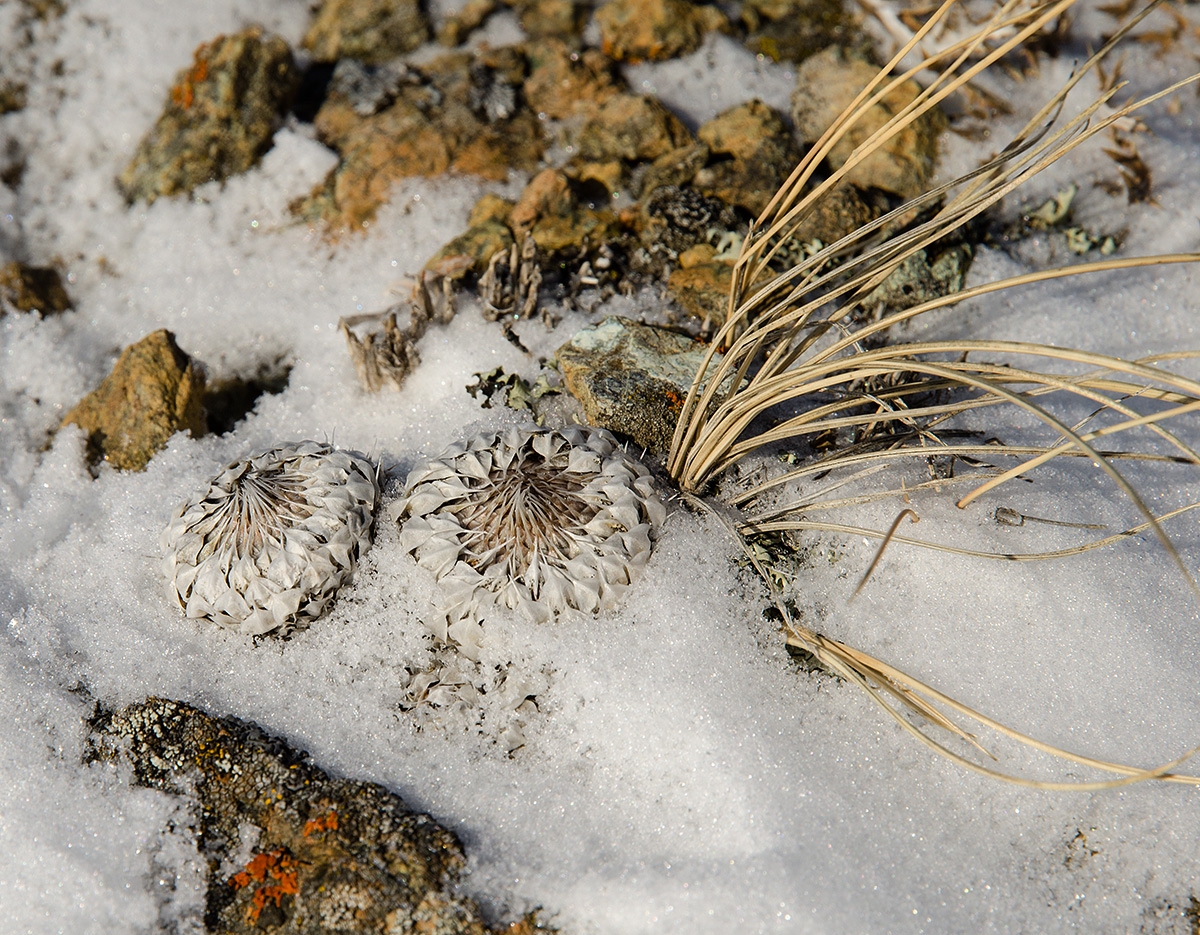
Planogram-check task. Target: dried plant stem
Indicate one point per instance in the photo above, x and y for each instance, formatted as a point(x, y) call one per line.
point(789, 350)
point(881, 680)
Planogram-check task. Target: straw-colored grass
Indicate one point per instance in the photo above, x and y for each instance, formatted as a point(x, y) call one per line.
point(790, 345)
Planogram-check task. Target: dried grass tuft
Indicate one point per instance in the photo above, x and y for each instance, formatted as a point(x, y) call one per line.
point(793, 343)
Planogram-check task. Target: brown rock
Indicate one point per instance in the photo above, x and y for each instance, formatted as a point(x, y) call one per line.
point(154, 391)
point(219, 116)
point(678, 167)
point(703, 289)
point(564, 82)
point(551, 212)
point(826, 83)
point(792, 30)
point(552, 19)
point(461, 112)
point(490, 207)
point(371, 31)
point(310, 853)
point(633, 128)
point(654, 30)
point(12, 96)
point(460, 24)
point(32, 289)
point(605, 177)
point(753, 152)
point(475, 247)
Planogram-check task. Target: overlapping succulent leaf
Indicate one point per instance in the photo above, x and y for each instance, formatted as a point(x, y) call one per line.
point(272, 539)
point(538, 519)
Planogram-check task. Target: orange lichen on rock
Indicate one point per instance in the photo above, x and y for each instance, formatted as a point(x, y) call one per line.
point(277, 864)
point(183, 91)
point(327, 822)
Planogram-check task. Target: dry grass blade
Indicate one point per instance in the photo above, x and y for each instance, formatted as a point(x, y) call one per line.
point(881, 681)
point(794, 365)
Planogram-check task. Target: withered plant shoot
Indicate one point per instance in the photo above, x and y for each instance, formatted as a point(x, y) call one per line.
point(794, 342)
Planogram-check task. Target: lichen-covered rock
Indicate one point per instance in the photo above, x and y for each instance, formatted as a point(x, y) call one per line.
point(463, 111)
point(486, 235)
point(371, 31)
point(290, 849)
point(565, 82)
point(752, 155)
point(32, 289)
point(550, 211)
point(922, 278)
point(631, 378)
point(630, 127)
point(153, 391)
point(838, 212)
point(219, 118)
point(792, 30)
point(653, 30)
point(826, 83)
point(673, 219)
point(552, 19)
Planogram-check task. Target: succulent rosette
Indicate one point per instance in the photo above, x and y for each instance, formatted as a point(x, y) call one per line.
point(544, 520)
point(267, 546)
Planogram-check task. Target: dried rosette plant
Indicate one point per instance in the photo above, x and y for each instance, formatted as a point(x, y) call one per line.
point(544, 520)
point(267, 546)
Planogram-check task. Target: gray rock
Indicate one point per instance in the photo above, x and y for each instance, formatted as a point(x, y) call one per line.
point(219, 118)
point(631, 378)
point(325, 854)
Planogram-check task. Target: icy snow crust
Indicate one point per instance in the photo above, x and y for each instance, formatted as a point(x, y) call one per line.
point(680, 775)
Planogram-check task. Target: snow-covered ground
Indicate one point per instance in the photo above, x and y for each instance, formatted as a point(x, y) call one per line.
point(682, 775)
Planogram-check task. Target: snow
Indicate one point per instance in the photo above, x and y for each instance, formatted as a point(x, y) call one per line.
point(681, 773)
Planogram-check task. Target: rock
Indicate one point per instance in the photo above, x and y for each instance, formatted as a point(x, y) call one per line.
point(654, 30)
point(552, 213)
point(371, 31)
point(463, 111)
point(792, 30)
point(153, 391)
point(219, 118)
point(631, 378)
point(12, 96)
point(486, 235)
point(703, 289)
point(753, 153)
point(678, 167)
point(674, 219)
point(32, 289)
point(552, 19)
point(921, 279)
point(632, 128)
point(564, 82)
point(826, 83)
point(837, 213)
point(290, 849)
point(464, 21)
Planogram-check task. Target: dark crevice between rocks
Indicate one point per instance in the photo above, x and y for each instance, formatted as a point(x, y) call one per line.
point(227, 402)
point(314, 86)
